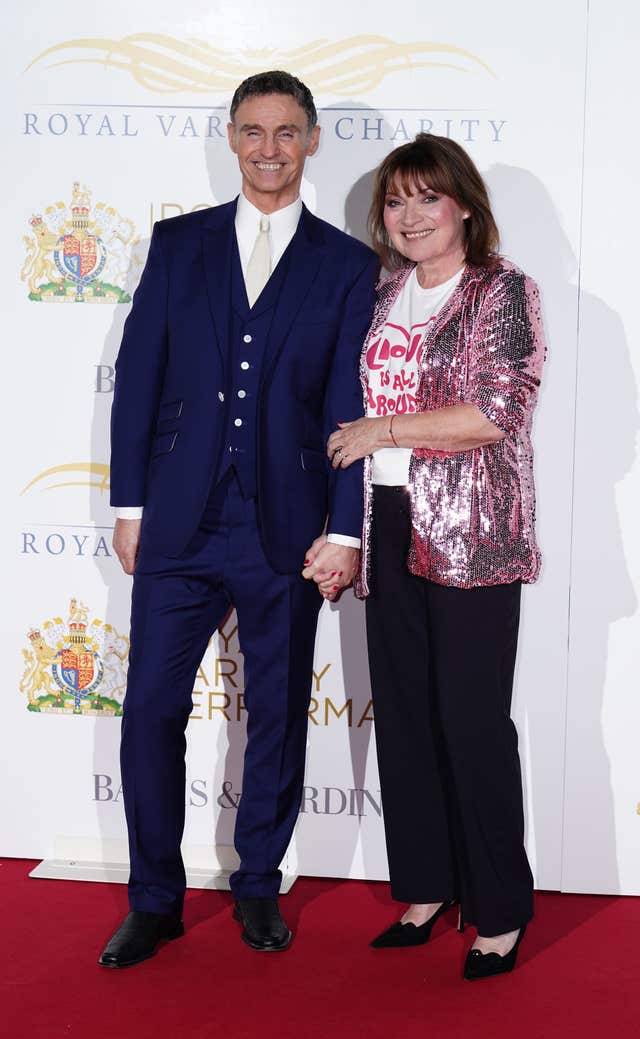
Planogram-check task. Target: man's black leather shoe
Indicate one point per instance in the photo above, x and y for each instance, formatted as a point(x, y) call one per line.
point(263, 928)
point(138, 937)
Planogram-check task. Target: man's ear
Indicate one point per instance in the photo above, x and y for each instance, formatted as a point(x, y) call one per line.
point(314, 141)
point(231, 134)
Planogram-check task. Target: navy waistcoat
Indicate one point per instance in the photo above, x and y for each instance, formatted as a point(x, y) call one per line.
point(248, 335)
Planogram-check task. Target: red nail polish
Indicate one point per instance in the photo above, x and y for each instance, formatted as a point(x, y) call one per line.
point(335, 587)
point(340, 574)
point(306, 562)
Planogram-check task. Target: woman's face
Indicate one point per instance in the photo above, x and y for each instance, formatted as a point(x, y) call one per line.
point(425, 226)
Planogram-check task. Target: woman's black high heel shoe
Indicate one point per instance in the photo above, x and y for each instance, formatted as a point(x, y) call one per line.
point(487, 964)
point(403, 936)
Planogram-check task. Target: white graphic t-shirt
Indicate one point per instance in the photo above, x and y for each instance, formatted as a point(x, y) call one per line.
point(393, 362)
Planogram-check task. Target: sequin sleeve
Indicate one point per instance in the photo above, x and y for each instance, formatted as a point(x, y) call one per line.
point(507, 352)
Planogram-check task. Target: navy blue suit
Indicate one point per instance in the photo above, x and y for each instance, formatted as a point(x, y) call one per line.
point(219, 424)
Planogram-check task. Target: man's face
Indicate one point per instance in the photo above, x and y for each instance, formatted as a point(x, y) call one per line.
point(271, 137)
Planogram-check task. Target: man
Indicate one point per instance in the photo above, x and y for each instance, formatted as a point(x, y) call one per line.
point(239, 357)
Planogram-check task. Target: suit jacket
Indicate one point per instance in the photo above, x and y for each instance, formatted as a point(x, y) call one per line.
point(168, 418)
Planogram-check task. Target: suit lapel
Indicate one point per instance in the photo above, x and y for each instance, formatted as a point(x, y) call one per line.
point(217, 255)
point(306, 253)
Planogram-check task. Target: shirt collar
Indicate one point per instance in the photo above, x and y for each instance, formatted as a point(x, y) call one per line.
point(282, 222)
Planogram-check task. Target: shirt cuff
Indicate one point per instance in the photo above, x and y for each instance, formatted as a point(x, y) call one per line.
point(129, 512)
point(344, 539)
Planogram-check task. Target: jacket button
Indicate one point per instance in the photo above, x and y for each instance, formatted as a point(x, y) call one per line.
point(237, 422)
point(244, 365)
point(247, 338)
point(242, 394)
point(220, 395)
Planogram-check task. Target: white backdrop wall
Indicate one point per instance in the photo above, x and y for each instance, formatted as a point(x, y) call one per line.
point(130, 103)
point(601, 847)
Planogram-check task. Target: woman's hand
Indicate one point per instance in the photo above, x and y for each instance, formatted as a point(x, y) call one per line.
point(332, 566)
point(354, 440)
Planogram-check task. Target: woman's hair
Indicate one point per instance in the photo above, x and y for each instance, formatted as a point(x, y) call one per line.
point(442, 165)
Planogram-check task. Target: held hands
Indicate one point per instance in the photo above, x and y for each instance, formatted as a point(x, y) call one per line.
point(126, 539)
point(332, 567)
point(354, 440)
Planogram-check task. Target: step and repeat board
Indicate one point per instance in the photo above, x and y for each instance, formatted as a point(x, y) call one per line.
point(115, 117)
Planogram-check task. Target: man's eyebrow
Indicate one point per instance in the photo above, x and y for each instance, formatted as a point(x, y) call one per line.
point(256, 126)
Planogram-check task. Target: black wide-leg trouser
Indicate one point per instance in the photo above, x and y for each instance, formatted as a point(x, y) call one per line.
point(442, 662)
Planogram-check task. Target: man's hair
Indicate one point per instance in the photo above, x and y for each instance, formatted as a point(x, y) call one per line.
point(444, 166)
point(276, 83)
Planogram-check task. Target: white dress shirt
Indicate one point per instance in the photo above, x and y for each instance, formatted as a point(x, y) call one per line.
point(282, 227)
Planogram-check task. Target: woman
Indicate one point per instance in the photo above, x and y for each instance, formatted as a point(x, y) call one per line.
point(451, 369)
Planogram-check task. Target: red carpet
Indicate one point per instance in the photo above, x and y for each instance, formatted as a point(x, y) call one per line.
point(578, 972)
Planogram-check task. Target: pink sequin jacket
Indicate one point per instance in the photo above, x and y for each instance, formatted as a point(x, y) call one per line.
point(472, 512)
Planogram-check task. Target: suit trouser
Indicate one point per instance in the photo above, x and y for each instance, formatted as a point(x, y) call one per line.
point(176, 606)
point(442, 662)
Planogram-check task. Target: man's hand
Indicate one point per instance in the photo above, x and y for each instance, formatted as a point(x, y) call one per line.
point(126, 539)
point(311, 555)
point(332, 567)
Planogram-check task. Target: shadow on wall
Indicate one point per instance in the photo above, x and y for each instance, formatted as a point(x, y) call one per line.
point(343, 169)
point(601, 588)
point(221, 164)
point(540, 247)
point(602, 592)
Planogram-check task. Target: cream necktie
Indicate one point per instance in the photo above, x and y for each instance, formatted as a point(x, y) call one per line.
point(259, 266)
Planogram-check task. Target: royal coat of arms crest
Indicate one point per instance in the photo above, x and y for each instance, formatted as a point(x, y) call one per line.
point(77, 668)
point(80, 253)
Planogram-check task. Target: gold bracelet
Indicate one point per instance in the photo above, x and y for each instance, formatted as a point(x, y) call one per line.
point(393, 439)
